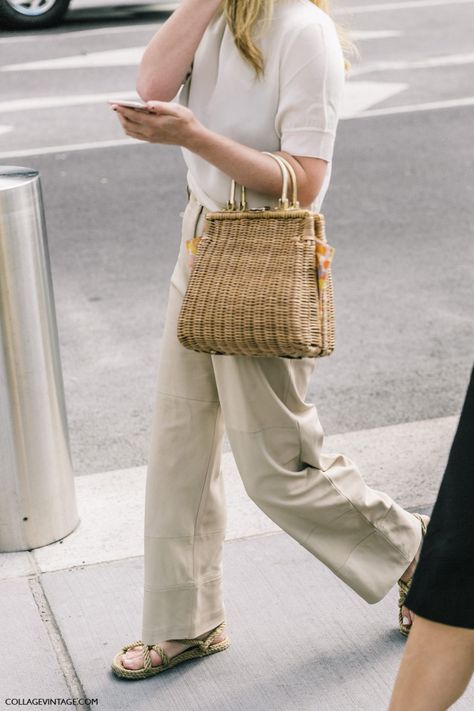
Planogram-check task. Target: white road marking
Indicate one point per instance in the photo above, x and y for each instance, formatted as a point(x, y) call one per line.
point(152, 27)
point(109, 58)
point(148, 27)
point(145, 27)
point(50, 102)
point(404, 5)
point(429, 106)
point(132, 55)
point(361, 95)
point(358, 96)
point(67, 148)
point(373, 34)
point(447, 60)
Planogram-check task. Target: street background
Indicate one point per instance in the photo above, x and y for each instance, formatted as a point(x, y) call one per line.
point(399, 213)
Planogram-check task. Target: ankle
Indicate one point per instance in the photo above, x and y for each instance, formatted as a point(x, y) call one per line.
point(408, 573)
point(411, 568)
point(204, 634)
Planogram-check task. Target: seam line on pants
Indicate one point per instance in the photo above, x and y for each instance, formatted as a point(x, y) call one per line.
point(337, 570)
point(317, 525)
point(182, 397)
point(287, 387)
point(187, 586)
point(262, 429)
point(204, 486)
point(191, 535)
point(375, 528)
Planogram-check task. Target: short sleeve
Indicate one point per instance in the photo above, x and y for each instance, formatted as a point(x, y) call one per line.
point(311, 85)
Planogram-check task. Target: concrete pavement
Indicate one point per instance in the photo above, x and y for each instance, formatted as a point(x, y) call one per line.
point(300, 638)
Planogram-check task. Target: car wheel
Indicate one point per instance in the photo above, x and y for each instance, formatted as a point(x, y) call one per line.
point(31, 14)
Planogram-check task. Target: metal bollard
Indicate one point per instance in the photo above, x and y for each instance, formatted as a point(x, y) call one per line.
point(37, 495)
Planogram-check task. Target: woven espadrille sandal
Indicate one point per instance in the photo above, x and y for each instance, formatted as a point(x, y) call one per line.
point(200, 648)
point(404, 587)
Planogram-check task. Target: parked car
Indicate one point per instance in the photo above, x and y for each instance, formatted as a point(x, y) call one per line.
point(36, 14)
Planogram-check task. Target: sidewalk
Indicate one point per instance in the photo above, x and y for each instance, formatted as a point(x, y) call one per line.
point(300, 639)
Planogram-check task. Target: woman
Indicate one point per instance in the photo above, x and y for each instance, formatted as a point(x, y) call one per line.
point(438, 661)
point(259, 75)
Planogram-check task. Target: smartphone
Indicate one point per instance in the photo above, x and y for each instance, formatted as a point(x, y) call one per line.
point(139, 106)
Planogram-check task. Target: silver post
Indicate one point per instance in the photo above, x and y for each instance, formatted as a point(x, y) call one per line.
point(37, 496)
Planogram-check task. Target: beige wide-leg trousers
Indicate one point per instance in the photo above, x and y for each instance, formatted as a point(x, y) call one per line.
point(320, 499)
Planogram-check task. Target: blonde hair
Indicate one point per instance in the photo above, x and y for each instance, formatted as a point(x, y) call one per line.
point(242, 16)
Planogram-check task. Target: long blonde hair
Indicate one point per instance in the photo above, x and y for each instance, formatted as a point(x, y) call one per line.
point(242, 16)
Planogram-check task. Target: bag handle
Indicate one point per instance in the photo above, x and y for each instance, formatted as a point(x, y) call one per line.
point(284, 164)
point(283, 202)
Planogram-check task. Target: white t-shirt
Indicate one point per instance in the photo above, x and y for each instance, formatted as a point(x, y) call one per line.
point(294, 107)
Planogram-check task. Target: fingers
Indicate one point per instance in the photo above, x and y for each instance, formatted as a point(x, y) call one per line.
point(131, 124)
point(132, 129)
point(165, 108)
point(131, 116)
point(164, 122)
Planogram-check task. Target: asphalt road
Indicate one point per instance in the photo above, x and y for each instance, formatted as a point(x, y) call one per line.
point(399, 213)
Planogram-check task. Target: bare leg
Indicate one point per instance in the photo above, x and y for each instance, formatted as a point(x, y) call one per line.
point(436, 667)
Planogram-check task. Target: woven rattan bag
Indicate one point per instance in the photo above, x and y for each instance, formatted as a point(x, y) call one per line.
point(261, 281)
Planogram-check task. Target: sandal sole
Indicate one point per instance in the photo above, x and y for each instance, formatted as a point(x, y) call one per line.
point(123, 673)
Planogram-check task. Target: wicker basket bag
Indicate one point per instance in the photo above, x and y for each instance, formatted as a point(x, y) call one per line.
point(261, 281)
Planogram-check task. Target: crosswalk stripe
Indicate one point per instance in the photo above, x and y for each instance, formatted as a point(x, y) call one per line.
point(429, 106)
point(447, 60)
point(403, 5)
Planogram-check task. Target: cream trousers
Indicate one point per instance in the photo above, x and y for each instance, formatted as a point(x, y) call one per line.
point(319, 498)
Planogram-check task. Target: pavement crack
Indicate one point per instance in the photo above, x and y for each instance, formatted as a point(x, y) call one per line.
point(54, 633)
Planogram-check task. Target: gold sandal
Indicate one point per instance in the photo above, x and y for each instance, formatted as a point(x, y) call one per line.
point(200, 648)
point(404, 587)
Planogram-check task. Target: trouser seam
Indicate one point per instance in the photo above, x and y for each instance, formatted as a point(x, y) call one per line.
point(375, 528)
point(340, 567)
point(186, 586)
point(201, 499)
point(182, 397)
point(287, 387)
point(192, 535)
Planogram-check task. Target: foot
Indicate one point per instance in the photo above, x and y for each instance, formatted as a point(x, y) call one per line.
point(408, 615)
point(133, 658)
